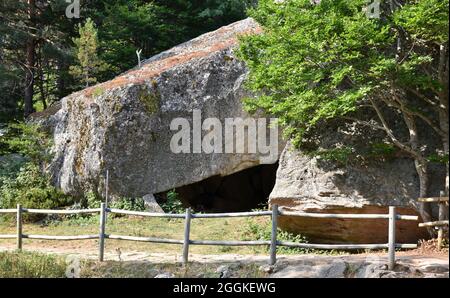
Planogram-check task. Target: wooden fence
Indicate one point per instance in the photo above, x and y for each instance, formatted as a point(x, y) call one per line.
point(442, 222)
point(275, 213)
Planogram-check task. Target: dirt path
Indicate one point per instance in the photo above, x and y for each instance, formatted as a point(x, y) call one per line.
point(415, 263)
point(116, 255)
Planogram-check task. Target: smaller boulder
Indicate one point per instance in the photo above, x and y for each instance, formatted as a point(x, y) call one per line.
point(151, 205)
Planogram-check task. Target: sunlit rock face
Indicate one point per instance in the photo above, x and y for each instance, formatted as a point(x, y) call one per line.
point(309, 184)
point(124, 125)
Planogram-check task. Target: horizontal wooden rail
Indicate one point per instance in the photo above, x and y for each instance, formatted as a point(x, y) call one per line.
point(435, 199)
point(331, 215)
point(229, 243)
point(332, 246)
point(144, 239)
point(346, 216)
point(343, 246)
point(440, 223)
point(407, 217)
point(8, 236)
point(235, 214)
point(406, 246)
point(44, 211)
point(274, 213)
point(146, 214)
point(64, 238)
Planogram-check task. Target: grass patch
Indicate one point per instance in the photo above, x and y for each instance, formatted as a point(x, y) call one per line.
point(201, 229)
point(32, 265)
point(36, 265)
point(114, 269)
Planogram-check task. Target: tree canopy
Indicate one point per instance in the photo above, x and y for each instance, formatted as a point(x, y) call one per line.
point(37, 45)
point(317, 62)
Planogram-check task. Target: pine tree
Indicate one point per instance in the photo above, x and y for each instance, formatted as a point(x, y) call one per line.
point(89, 63)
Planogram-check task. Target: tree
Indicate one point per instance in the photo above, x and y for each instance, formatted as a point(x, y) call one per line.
point(318, 62)
point(33, 41)
point(89, 64)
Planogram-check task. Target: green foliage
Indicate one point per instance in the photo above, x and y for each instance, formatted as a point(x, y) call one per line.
point(262, 230)
point(173, 203)
point(345, 155)
point(10, 166)
point(89, 63)
point(425, 19)
point(32, 189)
point(340, 155)
point(132, 204)
point(23, 180)
point(29, 140)
point(92, 200)
point(31, 265)
point(438, 158)
point(317, 62)
point(123, 26)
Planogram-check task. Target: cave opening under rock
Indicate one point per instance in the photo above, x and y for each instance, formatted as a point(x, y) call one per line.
point(241, 191)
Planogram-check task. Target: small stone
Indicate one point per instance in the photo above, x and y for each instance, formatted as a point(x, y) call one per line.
point(165, 275)
point(434, 268)
point(333, 270)
point(267, 269)
point(224, 271)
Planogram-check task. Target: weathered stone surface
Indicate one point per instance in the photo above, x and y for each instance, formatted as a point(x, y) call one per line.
point(151, 205)
point(123, 125)
point(308, 184)
point(359, 267)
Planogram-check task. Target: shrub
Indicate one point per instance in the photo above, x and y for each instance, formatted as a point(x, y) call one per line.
point(260, 229)
point(31, 189)
point(23, 180)
point(30, 140)
point(10, 165)
point(173, 203)
point(132, 204)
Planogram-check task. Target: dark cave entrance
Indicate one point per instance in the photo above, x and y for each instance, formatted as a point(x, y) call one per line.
point(241, 191)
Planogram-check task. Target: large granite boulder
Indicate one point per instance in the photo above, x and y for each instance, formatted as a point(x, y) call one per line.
point(311, 184)
point(123, 125)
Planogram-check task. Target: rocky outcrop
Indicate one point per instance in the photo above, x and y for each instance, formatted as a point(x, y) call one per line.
point(311, 184)
point(371, 266)
point(123, 125)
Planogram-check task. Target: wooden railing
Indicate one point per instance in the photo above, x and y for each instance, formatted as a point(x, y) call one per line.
point(275, 213)
point(442, 222)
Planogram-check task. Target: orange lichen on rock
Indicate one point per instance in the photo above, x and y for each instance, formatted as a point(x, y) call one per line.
point(202, 46)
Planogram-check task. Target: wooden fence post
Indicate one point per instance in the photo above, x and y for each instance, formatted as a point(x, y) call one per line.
point(19, 227)
point(101, 240)
point(106, 194)
point(273, 242)
point(441, 218)
point(391, 245)
point(187, 230)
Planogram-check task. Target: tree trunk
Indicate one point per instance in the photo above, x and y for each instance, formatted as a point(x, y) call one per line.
point(41, 80)
point(443, 73)
point(29, 78)
point(422, 171)
point(30, 60)
point(60, 82)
